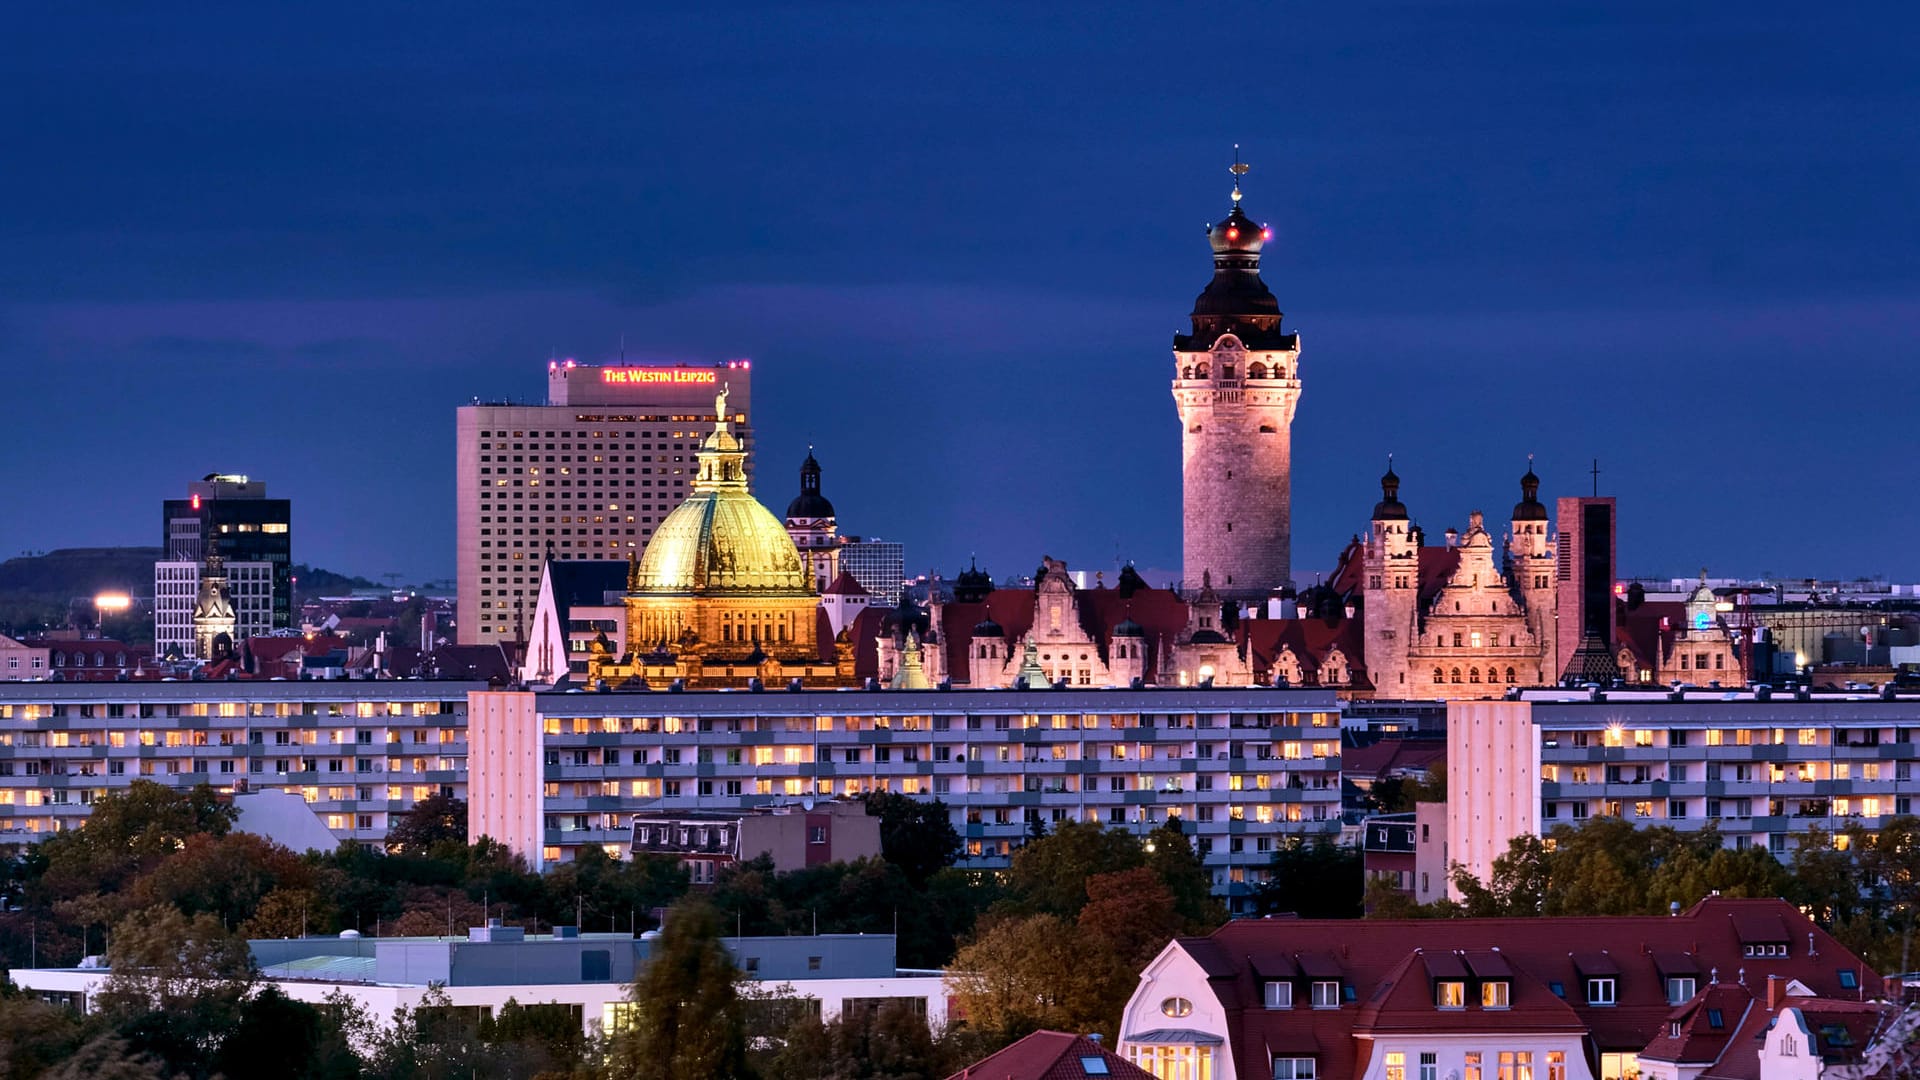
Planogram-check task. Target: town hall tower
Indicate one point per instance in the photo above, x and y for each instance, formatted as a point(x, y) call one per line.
point(1236, 381)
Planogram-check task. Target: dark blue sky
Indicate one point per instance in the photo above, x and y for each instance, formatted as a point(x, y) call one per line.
point(956, 240)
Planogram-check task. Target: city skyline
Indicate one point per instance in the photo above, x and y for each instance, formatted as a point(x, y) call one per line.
point(1649, 258)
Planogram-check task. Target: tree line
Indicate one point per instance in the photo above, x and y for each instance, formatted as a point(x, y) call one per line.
point(160, 882)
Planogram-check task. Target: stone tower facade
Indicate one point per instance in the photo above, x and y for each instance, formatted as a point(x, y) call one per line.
point(1236, 381)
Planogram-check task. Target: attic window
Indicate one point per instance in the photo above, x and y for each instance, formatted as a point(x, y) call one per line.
point(1848, 980)
point(1450, 994)
point(1601, 992)
point(1093, 1066)
point(1680, 989)
point(1559, 989)
point(1716, 1019)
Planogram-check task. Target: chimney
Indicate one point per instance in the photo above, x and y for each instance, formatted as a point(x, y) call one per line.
point(1893, 988)
point(1776, 991)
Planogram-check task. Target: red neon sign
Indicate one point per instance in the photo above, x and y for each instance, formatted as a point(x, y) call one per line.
point(635, 376)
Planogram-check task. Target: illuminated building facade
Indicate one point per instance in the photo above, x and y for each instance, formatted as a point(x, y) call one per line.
point(1465, 620)
point(721, 595)
point(1236, 382)
point(226, 567)
point(360, 753)
point(1241, 769)
point(1758, 767)
point(588, 475)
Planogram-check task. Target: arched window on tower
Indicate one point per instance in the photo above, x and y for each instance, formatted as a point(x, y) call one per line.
point(1439, 676)
point(1510, 677)
point(1456, 676)
point(1187, 372)
point(1473, 675)
point(1256, 370)
point(1201, 371)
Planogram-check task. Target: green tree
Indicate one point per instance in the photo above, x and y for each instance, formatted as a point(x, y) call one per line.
point(277, 1038)
point(1026, 972)
point(176, 987)
point(226, 875)
point(1049, 875)
point(36, 1035)
point(1518, 885)
point(688, 1018)
point(126, 832)
point(438, 819)
point(917, 835)
point(1170, 855)
point(1315, 879)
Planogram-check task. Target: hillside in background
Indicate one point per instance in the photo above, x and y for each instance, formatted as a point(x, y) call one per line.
point(36, 590)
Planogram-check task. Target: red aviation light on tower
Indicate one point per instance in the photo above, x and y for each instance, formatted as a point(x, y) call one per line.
point(195, 501)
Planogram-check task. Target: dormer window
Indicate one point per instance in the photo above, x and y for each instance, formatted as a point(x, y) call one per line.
point(1493, 994)
point(1326, 994)
point(1679, 990)
point(1450, 994)
point(1601, 991)
point(1279, 994)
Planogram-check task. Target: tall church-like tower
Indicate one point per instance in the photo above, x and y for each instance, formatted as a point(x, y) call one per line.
point(1236, 381)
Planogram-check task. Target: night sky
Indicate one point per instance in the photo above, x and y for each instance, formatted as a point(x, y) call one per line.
point(956, 242)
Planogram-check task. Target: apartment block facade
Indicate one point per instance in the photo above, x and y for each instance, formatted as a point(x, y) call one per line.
point(1239, 769)
point(1762, 768)
point(360, 753)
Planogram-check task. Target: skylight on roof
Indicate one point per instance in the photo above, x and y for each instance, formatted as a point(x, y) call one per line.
point(1094, 1066)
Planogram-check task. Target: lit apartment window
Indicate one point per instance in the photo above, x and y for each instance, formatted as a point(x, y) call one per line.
point(1450, 994)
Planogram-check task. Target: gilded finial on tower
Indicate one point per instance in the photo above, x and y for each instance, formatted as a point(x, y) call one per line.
point(1238, 169)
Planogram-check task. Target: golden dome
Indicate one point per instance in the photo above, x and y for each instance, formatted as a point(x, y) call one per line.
point(721, 540)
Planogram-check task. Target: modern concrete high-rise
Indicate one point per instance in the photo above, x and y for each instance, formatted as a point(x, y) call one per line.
point(587, 475)
point(1236, 382)
point(1583, 578)
point(226, 555)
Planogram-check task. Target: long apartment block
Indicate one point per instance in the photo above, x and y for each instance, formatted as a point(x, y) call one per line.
point(1761, 768)
point(358, 752)
point(552, 773)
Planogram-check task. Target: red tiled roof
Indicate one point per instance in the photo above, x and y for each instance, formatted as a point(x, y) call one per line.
point(1051, 1055)
point(1384, 965)
point(1692, 1036)
point(1389, 756)
point(847, 585)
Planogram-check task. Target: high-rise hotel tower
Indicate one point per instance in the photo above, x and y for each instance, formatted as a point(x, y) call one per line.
point(585, 476)
point(1236, 381)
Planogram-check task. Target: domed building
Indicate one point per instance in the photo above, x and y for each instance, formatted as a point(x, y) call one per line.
point(721, 594)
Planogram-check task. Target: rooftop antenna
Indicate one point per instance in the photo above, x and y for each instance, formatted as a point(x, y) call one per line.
point(623, 347)
point(1596, 478)
point(1238, 169)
